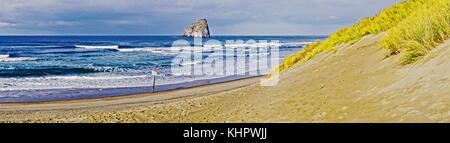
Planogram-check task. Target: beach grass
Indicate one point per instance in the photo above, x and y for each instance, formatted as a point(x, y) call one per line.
point(420, 32)
point(414, 27)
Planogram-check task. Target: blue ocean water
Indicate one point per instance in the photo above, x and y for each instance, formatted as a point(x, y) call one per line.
point(41, 68)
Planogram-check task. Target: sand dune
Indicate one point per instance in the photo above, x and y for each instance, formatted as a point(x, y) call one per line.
point(358, 83)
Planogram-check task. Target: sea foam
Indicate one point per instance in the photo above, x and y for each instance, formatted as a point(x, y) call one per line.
point(7, 58)
point(97, 47)
point(4, 56)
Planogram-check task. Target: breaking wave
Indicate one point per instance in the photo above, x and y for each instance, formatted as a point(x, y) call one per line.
point(7, 58)
point(98, 47)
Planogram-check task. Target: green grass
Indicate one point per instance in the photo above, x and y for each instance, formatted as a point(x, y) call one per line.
point(414, 27)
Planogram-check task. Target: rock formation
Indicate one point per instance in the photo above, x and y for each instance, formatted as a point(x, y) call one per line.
point(197, 29)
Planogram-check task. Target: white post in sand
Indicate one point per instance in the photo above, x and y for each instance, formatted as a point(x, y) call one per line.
point(154, 73)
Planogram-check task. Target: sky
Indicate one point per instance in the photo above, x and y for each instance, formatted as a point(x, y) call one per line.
point(170, 17)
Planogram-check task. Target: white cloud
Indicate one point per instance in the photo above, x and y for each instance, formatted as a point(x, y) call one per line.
point(66, 23)
point(332, 17)
point(6, 24)
point(121, 22)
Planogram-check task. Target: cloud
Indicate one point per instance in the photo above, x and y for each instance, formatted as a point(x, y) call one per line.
point(171, 16)
point(332, 17)
point(6, 24)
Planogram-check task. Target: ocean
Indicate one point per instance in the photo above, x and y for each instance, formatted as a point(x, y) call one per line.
point(46, 68)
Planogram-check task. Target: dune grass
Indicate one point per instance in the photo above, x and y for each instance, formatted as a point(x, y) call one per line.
point(413, 26)
point(420, 32)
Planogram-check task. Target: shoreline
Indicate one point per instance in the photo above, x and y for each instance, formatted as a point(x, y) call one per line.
point(93, 93)
point(23, 111)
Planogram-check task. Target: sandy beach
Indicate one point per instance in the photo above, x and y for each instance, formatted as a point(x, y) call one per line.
point(358, 83)
point(29, 111)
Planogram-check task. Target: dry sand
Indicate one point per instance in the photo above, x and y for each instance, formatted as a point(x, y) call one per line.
point(358, 83)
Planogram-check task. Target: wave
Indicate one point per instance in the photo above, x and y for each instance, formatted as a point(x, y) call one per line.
point(7, 58)
point(137, 49)
point(98, 47)
point(190, 63)
point(164, 51)
point(64, 52)
point(110, 69)
point(71, 81)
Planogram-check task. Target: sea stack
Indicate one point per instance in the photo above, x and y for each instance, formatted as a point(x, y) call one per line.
point(197, 29)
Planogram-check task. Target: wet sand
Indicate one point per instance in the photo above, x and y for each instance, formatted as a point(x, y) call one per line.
point(358, 83)
point(85, 93)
